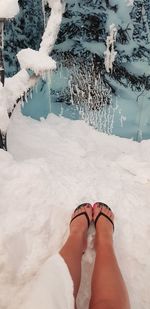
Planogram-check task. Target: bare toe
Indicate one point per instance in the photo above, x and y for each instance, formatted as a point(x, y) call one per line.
point(82, 217)
point(103, 217)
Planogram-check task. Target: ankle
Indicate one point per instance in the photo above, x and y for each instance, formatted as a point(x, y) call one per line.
point(103, 240)
point(78, 235)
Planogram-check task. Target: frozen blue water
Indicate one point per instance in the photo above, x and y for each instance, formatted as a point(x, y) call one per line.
point(129, 119)
point(42, 103)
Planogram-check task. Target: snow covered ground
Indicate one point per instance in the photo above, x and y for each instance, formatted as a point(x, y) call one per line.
point(51, 167)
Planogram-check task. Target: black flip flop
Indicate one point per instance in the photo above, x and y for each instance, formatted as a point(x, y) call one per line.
point(102, 214)
point(82, 213)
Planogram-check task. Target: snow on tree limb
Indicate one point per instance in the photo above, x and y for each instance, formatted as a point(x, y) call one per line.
point(18, 84)
point(38, 61)
point(53, 26)
point(48, 41)
point(110, 53)
point(8, 8)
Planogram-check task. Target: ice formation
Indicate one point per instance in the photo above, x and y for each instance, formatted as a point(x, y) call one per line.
point(110, 53)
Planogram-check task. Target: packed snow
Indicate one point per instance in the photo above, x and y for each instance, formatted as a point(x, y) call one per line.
point(37, 61)
point(8, 8)
point(51, 167)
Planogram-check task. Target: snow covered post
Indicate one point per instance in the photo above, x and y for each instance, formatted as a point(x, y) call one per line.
point(8, 9)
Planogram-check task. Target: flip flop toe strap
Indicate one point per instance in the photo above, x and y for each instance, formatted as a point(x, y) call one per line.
point(102, 214)
point(80, 214)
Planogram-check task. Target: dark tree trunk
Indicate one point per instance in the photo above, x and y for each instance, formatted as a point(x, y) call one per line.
point(2, 71)
point(2, 78)
point(3, 144)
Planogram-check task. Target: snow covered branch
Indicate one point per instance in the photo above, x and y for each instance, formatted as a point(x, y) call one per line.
point(53, 26)
point(38, 61)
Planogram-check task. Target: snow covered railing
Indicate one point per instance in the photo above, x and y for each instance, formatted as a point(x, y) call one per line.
point(38, 61)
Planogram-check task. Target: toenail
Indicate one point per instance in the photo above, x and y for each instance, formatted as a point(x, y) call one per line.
point(88, 206)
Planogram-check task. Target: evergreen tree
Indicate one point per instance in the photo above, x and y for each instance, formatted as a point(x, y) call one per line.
point(24, 31)
point(2, 75)
point(83, 34)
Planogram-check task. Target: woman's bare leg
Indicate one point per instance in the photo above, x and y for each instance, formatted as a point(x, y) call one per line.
point(75, 245)
point(108, 287)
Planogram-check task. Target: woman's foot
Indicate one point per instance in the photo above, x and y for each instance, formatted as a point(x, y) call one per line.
point(103, 218)
point(80, 221)
point(81, 218)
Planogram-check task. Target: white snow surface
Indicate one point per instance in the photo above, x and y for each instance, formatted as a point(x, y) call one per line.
point(4, 119)
point(36, 61)
point(8, 8)
point(51, 167)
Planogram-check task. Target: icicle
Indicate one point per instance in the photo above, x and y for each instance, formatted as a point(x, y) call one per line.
point(43, 10)
point(48, 79)
point(110, 53)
